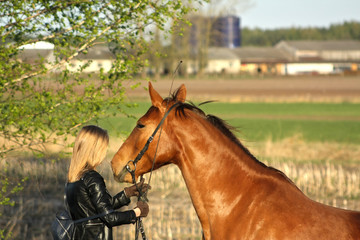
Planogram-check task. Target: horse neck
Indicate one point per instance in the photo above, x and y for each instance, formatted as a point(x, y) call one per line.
point(206, 153)
point(216, 170)
point(217, 163)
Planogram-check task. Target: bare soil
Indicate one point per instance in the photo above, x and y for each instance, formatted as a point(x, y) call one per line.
point(300, 88)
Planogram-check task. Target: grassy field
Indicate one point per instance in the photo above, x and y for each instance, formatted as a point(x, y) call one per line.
point(324, 122)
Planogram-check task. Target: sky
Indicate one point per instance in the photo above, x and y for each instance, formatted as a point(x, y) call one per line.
point(271, 14)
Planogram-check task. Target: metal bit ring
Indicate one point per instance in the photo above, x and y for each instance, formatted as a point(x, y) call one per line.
point(129, 168)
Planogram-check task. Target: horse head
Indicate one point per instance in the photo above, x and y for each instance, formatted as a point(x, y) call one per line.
point(164, 151)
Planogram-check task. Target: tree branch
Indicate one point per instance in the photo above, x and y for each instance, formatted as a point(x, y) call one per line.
point(78, 50)
point(65, 30)
point(33, 143)
point(42, 11)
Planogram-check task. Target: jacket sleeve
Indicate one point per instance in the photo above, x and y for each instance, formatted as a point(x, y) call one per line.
point(120, 200)
point(104, 202)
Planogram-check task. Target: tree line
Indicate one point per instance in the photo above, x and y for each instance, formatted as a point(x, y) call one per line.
point(260, 37)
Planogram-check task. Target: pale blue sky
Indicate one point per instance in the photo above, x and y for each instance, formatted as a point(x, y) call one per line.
point(270, 14)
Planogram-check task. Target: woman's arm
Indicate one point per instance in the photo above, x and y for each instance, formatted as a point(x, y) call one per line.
point(103, 202)
point(123, 198)
point(120, 200)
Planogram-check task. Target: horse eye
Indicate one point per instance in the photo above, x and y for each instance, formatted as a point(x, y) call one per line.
point(139, 125)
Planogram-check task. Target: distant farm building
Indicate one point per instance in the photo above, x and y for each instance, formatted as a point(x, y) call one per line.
point(37, 53)
point(285, 58)
point(97, 57)
point(222, 60)
point(288, 58)
point(258, 60)
point(320, 57)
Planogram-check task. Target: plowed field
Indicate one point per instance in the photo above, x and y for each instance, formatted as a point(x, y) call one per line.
point(305, 88)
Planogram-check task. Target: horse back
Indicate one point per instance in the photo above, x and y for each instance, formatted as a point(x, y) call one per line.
point(286, 213)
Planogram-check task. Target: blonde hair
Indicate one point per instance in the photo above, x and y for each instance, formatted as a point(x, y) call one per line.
point(89, 151)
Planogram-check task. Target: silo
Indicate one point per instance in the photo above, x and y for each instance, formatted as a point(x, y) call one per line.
point(226, 32)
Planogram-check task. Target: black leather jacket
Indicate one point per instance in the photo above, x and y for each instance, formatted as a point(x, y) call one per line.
point(88, 197)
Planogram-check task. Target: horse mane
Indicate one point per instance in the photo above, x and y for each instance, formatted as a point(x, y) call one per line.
point(217, 122)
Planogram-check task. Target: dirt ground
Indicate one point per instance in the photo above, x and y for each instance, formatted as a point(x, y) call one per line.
point(301, 88)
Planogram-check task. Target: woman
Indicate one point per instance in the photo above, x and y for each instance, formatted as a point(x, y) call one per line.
point(86, 193)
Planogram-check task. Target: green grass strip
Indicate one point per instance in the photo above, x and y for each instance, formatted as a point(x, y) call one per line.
point(320, 122)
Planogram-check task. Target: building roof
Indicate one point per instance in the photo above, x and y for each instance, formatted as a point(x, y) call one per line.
point(38, 45)
point(36, 52)
point(35, 55)
point(340, 45)
point(260, 54)
point(221, 53)
point(97, 52)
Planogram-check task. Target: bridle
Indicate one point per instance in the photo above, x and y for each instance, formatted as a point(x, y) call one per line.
point(142, 195)
point(130, 169)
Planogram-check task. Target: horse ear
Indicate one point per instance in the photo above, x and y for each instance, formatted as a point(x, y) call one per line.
point(181, 93)
point(156, 99)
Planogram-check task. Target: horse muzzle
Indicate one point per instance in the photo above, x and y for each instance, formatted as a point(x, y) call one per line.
point(123, 176)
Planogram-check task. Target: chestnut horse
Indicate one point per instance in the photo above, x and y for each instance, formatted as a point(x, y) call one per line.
point(235, 196)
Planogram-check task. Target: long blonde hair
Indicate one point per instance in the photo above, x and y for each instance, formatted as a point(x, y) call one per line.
point(89, 151)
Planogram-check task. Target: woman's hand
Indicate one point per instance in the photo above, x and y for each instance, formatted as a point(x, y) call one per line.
point(142, 209)
point(133, 191)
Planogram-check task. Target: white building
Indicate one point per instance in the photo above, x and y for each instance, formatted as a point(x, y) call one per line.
point(222, 60)
point(37, 53)
point(320, 57)
point(97, 57)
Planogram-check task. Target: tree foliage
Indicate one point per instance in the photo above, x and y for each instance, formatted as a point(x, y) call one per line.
point(260, 37)
point(44, 100)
